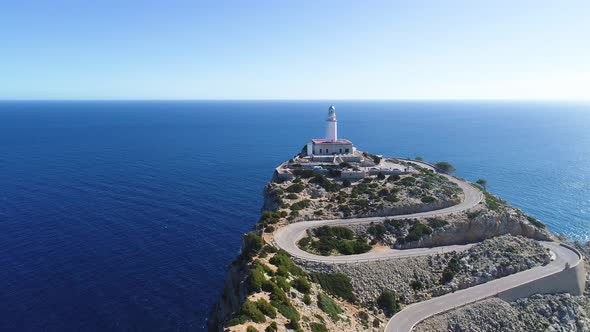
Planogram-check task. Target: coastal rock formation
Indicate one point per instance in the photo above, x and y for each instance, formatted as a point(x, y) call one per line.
point(418, 278)
point(563, 313)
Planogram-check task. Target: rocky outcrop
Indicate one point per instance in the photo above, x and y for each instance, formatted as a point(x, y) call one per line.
point(271, 201)
point(419, 278)
point(232, 296)
point(561, 313)
point(466, 228)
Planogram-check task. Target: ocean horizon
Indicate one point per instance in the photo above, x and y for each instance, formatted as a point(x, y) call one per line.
point(123, 215)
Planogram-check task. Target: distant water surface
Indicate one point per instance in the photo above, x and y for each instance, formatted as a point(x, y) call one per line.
point(122, 216)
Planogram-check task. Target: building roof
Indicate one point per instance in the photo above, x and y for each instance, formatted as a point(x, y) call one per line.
point(325, 141)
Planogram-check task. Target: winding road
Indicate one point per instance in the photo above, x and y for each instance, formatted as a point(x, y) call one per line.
point(287, 237)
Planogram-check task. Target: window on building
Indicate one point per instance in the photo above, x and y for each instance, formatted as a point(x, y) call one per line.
point(340, 150)
point(320, 150)
point(347, 151)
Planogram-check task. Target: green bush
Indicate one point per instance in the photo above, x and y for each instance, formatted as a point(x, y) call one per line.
point(377, 230)
point(301, 284)
point(300, 205)
point(304, 173)
point(389, 302)
point(325, 183)
point(346, 183)
point(250, 310)
point(318, 327)
point(417, 231)
point(535, 222)
point(381, 176)
point(295, 188)
point(438, 222)
point(282, 259)
point(287, 310)
point(252, 244)
point(256, 279)
point(452, 268)
point(337, 284)
point(292, 196)
point(444, 167)
point(328, 306)
point(416, 285)
point(307, 299)
point(408, 181)
point(251, 329)
point(238, 320)
point(345, 164)
point(492, 201)
point(280, 281)
point(272, 327)
point(428, 199)
point(393, 178)
point(338, 232)
point(266, 308)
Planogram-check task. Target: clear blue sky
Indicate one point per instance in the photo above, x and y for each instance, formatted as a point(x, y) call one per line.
point(126, 49)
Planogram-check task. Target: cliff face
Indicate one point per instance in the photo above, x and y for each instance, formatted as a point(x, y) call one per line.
point(484, 226)
point(232, 296)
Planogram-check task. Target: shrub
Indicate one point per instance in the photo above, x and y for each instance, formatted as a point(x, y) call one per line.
point(389, 302)
point(337, 284)
point(251, 329)
point(307, 299)
point(416, 285)
point(324, 182)
point(239, 320)
point(428, 199)
point(393, 178)
point(252, 244)
point(282, 282)
point(301, 284)
point(250, 310)
point(417, 231)
point(300, 205)
point(295, 188)
point(318, 327)
point(282, 259)
point(453, 267)
point(304, 173)
point(381, 176)
point(266, 308)
point(438, 222)
point(272, 327)
point(444, 167)
point(287, 310)
point(256, 279)
point(338, 232)
point(408, 181)
point(535, 222)
point(345, 164)
point(292, 196)
point(378, 231)
point(346, 183)
point(418, 158)
point(492, 201)
point(328, 306)
point(269, 229)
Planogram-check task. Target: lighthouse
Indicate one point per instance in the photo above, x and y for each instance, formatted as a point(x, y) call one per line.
point(332, 125)
point(331, 145)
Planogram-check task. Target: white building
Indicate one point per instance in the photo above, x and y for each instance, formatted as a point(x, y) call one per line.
point(330, 145)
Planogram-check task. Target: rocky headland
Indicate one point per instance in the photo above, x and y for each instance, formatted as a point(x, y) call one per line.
point(267, 290)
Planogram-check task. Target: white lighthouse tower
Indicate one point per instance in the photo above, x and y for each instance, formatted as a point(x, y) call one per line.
point(332, 127)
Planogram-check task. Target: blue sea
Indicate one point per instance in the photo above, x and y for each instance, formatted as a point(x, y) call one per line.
point(122, 216)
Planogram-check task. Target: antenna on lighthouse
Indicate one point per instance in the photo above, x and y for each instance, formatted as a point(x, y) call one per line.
point(332, 127)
